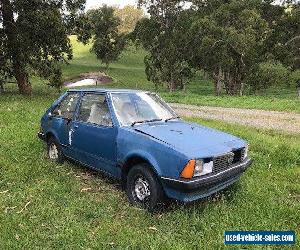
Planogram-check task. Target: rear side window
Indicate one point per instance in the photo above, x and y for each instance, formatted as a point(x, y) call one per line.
point(94, 109)
point(67, 107)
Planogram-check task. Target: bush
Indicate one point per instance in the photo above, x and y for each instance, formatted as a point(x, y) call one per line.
point(268, 75)
point(296, 78)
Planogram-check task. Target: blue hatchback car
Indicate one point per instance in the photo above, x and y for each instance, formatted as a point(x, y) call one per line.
point(136, 137)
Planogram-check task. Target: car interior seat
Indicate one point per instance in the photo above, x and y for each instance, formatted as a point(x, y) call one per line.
point(95, 114)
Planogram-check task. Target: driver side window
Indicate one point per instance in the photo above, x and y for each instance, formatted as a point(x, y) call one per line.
point(94, 109)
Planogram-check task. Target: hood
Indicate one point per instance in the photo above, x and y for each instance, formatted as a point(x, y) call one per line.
point(191, 139)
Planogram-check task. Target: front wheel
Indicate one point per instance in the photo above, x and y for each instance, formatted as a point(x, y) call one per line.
point(54, 151)
point(143, 188)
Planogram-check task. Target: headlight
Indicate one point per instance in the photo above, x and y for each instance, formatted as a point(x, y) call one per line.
point(202, 168)
point(196, 168)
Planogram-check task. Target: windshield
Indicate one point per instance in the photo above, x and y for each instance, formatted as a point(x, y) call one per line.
point(134, 108)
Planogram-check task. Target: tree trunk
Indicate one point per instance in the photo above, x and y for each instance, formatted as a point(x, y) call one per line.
point(14, 45)
point(156, 86)
point(218, 82)
point(181, 86)
point(1, 87)
point(172, 86)
point(22, 79)
point(106, 66)
point(233, 84)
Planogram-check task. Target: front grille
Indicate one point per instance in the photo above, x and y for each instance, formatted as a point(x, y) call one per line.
point(223, 162)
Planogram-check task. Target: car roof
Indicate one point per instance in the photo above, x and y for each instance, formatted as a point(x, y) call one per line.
point(100, 90)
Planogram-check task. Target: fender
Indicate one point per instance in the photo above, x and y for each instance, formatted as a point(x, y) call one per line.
point(51, 131)
point(147, 156)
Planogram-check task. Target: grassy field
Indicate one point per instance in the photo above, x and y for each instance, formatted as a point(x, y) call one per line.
point(43, 205)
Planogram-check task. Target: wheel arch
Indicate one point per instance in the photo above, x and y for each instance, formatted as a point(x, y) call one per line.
point(50, 134)
point(135, 159)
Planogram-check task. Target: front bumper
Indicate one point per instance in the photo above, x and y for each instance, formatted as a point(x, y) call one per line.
point(189, 190)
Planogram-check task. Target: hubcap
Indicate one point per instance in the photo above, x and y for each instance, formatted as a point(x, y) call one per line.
point(53, 152)
point(141, 189)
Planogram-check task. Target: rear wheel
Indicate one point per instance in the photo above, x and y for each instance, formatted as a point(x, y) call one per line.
point(54, 151)
point(143, 188)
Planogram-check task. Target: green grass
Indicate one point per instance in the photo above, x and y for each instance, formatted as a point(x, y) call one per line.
point(60, 216)
point(248, 102)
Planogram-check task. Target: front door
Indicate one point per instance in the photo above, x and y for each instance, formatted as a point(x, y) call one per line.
point(93, 139)
point(61, 118)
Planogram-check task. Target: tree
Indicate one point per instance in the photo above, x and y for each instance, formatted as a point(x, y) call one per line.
point(129, 16)
point(101, 25)
point(285, 38)
point(229, 43)
point(269, 74)
point(164, 36)
point(229, 39)
point(34, 37)
point(4, 62)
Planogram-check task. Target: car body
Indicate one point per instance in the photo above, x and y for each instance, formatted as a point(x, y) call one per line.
point(116, 130)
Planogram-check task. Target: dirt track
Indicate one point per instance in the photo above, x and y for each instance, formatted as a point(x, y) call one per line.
point(282, 121)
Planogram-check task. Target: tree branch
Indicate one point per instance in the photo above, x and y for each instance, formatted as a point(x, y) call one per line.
point(293, 39)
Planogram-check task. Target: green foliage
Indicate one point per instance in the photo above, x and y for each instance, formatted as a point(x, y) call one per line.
point(231, 41)
point(164, 36)
point(270, 74)
point(285, 36)
point(296, 78)
point(237, 36)
point(102, 27)
point(5, 64)
point(34, 37)
point(56, 77)
point(227, 39)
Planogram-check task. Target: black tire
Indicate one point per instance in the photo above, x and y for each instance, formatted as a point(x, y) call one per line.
point(60, 156)
point(143, 172)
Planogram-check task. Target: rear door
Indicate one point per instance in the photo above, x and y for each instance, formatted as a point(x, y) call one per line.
point(93, 134)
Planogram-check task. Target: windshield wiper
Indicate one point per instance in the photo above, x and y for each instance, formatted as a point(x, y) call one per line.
point(152, 120)
point(171, 118)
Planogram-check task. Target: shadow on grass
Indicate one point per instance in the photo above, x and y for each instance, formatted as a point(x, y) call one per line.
point(168, 205)
point(92, 174)
point(226, 195)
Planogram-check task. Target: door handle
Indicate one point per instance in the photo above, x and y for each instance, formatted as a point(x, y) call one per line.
point(75, 126)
